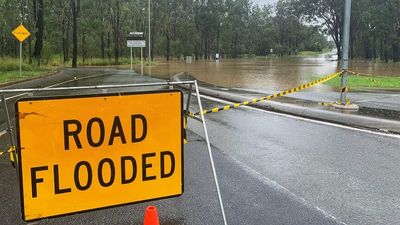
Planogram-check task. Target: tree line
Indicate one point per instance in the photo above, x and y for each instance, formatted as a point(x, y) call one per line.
point(84, 29)
point(375, 25)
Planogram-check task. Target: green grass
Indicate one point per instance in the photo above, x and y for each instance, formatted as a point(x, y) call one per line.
point(9, 67)
point(308, 53)
point(14, 75)
point(9, 70)
point(312, 53)
point(360, 82)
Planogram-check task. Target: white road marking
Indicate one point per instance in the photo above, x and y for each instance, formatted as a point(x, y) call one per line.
point(284, 190)
point(306, 119)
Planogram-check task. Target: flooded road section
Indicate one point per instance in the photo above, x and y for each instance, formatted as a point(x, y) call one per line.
point(267, 73)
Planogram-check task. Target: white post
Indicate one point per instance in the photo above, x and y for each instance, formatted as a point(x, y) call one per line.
point(131, 59)
point(141, 59)
point(149, 56)
point(221, 204)
point(345, 51)
point(20, 59)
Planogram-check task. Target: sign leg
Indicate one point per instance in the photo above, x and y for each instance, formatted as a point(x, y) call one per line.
point(20, 59)
point(10, 131)
point(210, 152)
point(141, 59)
point(131, 60)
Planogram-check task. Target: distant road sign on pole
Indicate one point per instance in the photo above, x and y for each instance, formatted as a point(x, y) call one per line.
point(73, 158)
point(136, 40)
point(21, 34)
point(188, 59)
point(136, 43)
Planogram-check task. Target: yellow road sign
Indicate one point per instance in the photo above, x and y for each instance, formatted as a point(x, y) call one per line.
point(89, 152)
point(21, 33)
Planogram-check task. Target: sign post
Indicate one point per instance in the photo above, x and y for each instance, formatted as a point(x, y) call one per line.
point(188, 62)
point(21, 33)
point(141, 60)
point(129, 151)
point(136, 40)
point(131, 60)
point(345, 57)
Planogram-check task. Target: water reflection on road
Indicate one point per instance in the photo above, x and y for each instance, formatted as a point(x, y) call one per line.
point(267, 73)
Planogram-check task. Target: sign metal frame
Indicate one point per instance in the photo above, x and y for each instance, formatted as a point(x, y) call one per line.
point(166, 84)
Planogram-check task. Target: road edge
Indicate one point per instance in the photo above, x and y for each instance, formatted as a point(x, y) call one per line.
point(358, 121)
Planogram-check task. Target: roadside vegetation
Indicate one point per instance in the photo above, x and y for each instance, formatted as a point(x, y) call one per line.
point(366, 82)
point(81, 30)
point(9, 67)
point(9, 70)
point(73, 33)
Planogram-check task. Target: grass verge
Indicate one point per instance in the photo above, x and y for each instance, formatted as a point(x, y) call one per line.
point(9, 70)
point(9, 67)
point(360, 82)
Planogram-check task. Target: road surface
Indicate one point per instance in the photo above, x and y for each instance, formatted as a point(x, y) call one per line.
point(273, 169)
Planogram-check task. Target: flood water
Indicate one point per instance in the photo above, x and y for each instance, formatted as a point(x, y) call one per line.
point(267, 73)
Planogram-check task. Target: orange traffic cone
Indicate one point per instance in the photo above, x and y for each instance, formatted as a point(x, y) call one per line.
point(151, 216)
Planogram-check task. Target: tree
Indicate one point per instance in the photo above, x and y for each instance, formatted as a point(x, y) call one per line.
point(330, 12)
point(75, 7)
point(39, 24)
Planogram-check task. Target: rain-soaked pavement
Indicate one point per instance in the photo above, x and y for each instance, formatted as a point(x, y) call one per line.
point(273, 170)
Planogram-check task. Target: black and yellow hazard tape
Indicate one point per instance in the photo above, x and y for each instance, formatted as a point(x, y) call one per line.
point(344, 89)
point(330, 104)
point(280, 94)
point(327, 103)
point(365, 75)
point(8, 151)
point(185, 141)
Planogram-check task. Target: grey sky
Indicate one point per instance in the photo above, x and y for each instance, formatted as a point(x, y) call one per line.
point(263, 2)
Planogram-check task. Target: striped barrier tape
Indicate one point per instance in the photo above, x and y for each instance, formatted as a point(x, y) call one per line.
point(366, 75)
point(12, 149)
point(280, 94)
point(348, 102)
point(185, 141)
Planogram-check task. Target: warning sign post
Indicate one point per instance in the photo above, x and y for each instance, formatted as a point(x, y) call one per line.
point(21, 34)
point(89, 152)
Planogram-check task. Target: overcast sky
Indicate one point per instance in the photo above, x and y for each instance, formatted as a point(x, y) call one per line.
point(263, 2)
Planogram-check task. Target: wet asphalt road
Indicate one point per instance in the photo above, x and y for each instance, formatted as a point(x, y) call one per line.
point(351, 175)
point(272, 170)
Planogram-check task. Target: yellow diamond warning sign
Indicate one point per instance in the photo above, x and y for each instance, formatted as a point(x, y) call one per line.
point(89, 152)
point(21, 33)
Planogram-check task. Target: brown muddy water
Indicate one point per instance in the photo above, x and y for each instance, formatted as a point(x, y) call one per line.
point(268, 73)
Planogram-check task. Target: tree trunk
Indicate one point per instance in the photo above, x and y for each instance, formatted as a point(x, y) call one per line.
point(116, 32)
point(395, 49)
point(102, 46)
point(167, 47)
point(153, 30)
point(109, 46)
point(30, 50)
point(64, 47)
point(38, 9)
point(83, 48)
point(75, 13)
